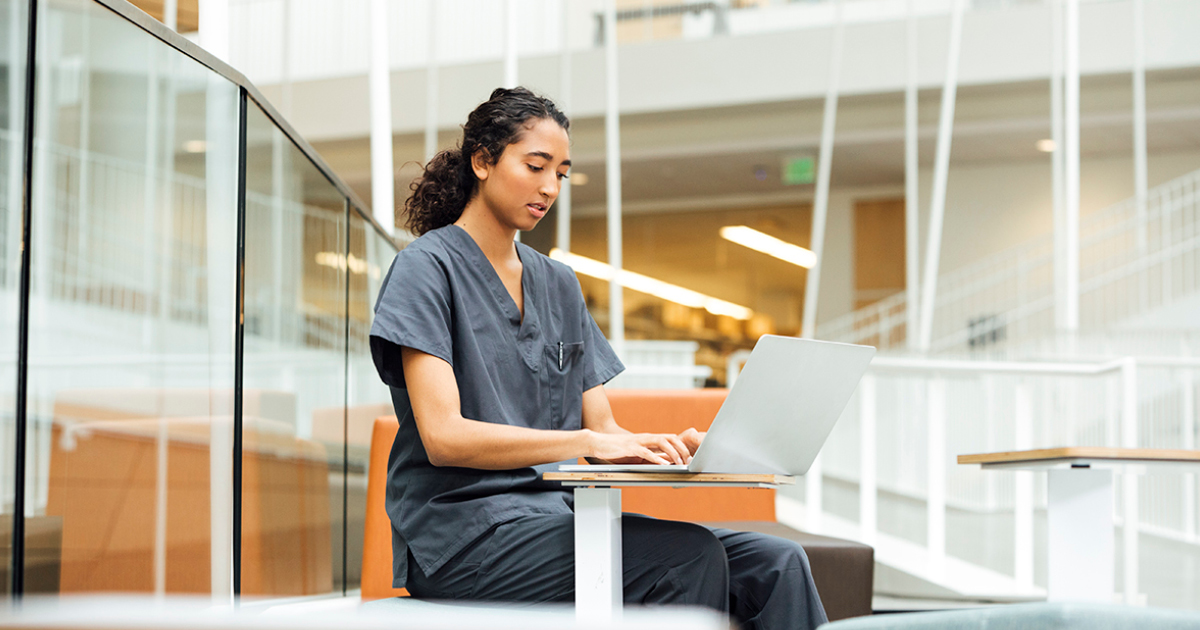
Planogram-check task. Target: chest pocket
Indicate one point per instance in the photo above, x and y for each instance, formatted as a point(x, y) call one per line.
point(563, 370)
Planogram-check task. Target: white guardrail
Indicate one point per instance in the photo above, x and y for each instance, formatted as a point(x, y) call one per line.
point(911, 417)
point(1131, 262)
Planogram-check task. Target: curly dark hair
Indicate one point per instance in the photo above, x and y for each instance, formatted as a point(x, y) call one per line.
point(448, 182)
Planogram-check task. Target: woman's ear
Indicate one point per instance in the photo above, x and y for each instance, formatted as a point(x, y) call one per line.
point(479, 164)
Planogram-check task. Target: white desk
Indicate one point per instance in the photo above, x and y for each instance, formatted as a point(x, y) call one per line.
point(598, 570)
point(1079, 508)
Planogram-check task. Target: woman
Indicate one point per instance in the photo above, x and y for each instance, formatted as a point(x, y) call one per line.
point(497, 371)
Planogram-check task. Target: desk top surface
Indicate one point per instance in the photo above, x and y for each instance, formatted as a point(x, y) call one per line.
point(1081, 455)
point(668, 479)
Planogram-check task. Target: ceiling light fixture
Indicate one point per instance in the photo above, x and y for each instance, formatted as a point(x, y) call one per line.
point(195, 146)
point(651, 286)
point(769, 245)
point(1045, 145)
point(578, 179)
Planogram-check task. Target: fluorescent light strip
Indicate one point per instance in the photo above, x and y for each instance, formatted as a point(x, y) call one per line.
point(651, 286)
point(769, 245)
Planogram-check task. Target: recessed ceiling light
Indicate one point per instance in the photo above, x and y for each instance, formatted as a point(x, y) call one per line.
point(769, 245)
point(195, 146)
point(651, 286)
point(578, 179)
point(1045, 145)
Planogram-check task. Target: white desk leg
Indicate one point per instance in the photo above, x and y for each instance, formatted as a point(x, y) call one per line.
point(598, 571)
point(1079, 507)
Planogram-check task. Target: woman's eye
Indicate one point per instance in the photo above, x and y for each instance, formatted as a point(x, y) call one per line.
point(535, 169)
point(562, 176)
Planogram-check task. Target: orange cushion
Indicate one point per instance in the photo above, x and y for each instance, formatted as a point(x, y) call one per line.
point(377, 533)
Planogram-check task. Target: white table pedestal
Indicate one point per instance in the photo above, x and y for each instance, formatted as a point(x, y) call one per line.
point(1079, 509)
point(599, 587)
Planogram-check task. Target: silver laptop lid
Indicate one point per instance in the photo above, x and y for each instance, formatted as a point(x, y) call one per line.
point(782, 407)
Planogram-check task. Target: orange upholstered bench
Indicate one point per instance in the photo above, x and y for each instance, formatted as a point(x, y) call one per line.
point(843, 570)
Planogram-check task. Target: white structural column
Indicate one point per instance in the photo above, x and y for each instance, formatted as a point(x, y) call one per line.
point(912, 199)
point(221, 117)
point(511, 71)
point(171, 14)
point(383, 201)
point(612, 159)
point(941, 170)
point(563, 226)
point(1071, 171)
point(1079, 507)
point(431, 86)
point(812, 284)
point(1139, 121)
point(1187, 385)
point(598, 568)
point(1057, 164)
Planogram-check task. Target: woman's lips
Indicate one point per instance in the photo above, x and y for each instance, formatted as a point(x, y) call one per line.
point(536, 210)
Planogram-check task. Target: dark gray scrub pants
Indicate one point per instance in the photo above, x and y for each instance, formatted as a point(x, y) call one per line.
point(762, 581)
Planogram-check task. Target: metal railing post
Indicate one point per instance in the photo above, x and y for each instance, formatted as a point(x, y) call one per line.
point(1129, 439)
point(936, 476)
point(1023, 496)
point(867, 498)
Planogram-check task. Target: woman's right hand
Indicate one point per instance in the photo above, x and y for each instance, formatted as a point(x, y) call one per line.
point(652, 448)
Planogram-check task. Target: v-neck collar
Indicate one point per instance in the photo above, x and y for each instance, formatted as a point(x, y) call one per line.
point(527, 325)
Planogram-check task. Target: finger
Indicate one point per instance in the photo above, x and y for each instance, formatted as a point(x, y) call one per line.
point(684, 452)
point(668, 448)
point(653, 457)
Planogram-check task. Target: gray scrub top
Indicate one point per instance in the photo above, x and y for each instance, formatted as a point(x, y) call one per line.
point(442, 296)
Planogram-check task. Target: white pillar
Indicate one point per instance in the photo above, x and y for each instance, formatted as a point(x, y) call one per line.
point(612, 153)
point(1071, 170)
point(812, 284)
point(563, 227)
point(171, 14)
point(814, 501)
point(940, 174)
point(214, 27)
point(221, 115)
point(1057, 164)
point(1139, 121)
point(383, 201)
point(912, 199)
point(511, 72)
point(431, 86)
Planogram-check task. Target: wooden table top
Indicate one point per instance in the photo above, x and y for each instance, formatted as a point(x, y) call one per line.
point(1084, 454)
point(668, 479)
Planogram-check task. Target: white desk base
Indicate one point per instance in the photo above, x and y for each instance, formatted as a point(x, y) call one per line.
point(1079, 510)
point(599, 577)
point(599, 583)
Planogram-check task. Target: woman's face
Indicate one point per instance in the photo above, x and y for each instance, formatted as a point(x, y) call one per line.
point(521, 186)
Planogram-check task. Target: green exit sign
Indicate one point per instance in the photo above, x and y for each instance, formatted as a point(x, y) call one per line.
point(799, 170)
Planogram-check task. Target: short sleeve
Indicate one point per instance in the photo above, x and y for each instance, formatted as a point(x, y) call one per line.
point(601, 363)
point(413, 310)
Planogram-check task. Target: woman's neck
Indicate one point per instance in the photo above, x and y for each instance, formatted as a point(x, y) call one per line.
point(494, 240)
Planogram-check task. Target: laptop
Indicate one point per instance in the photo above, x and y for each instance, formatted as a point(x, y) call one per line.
point(781, 409)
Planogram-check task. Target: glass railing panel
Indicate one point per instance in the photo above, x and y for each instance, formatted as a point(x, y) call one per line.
point(368, 398)
point(13, 43)
point(131, 339)
point(295, 369)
